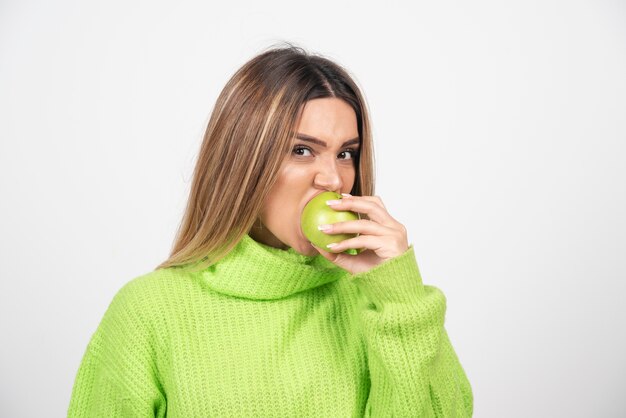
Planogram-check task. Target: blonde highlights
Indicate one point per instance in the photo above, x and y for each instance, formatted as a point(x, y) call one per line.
point(250, 132)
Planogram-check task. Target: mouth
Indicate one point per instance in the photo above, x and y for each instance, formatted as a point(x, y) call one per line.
point(300, 233)
point(313, 197)
point(308, 200)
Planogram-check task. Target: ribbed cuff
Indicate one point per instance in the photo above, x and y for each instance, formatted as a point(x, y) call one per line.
point(396, 280)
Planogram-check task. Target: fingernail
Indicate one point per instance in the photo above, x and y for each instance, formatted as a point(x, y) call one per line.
point(331, 245)
point(324, 227)
point(346, 194)
point(333, 202)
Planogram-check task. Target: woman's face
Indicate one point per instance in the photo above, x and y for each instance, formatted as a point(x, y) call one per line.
point(323, 158)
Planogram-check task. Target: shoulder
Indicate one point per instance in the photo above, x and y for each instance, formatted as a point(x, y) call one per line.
point(142, 309)
point(153, 283)
point(151, 293)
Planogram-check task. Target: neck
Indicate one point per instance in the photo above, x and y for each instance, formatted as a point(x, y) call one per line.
point(264, 236)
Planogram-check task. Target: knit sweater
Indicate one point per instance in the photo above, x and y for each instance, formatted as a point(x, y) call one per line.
point(267, 332)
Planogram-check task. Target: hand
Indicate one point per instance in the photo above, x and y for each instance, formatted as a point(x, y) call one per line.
point(381, 235)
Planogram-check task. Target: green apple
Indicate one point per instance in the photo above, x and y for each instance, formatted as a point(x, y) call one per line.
point(317, 212)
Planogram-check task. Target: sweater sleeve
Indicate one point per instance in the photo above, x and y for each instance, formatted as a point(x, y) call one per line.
point(117, 376)
point(414, 370)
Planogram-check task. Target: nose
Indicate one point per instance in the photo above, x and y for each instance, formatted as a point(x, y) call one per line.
point(328, 177)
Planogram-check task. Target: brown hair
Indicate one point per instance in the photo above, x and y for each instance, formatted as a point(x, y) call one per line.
point(250, 132)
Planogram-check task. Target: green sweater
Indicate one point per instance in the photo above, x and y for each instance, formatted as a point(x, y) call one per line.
point(267, 332)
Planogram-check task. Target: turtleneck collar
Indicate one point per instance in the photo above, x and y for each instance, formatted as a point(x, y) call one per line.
point(254, 270)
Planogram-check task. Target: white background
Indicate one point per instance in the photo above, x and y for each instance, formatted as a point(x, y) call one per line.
point(500, 132)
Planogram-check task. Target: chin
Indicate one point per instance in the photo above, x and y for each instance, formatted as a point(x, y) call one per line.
point(304, 247)
point(310, 251)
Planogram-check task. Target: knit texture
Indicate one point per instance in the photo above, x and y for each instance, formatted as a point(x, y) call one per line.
point(268, 332)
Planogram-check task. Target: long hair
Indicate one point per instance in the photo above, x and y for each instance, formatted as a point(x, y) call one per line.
point(250, 132)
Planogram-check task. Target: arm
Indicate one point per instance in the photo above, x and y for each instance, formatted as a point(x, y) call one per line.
point(117, 376)
point(414, 369)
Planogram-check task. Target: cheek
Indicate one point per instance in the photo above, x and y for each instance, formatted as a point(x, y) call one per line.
point(294, 181)
point(285, 196)
point(349, 177)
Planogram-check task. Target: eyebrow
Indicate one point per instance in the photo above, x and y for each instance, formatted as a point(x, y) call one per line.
point(322, 143)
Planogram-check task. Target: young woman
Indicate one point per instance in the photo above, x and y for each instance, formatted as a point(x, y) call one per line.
point(246, 318)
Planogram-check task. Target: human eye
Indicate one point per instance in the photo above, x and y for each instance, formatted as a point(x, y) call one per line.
point(301, 148)
point(353, 153)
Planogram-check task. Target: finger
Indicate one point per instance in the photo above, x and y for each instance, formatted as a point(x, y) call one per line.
point(383, 247)
point(370, 242)
point(375, 199)
point(362, 226)
point(373, 210)
point(325, 253)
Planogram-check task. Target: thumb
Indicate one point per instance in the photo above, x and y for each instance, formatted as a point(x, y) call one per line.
point(335, 258)
point(327, 255)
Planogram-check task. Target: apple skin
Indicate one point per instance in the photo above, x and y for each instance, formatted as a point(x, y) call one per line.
point(317, 212)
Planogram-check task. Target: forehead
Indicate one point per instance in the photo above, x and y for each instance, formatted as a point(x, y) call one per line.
point(330, 119)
